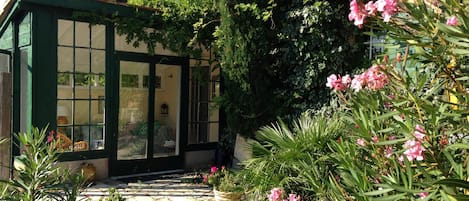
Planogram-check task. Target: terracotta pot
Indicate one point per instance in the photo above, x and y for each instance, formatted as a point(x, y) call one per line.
point(89, 172)
point(227, 196)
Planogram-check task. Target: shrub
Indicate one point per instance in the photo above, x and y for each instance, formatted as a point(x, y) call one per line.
point(295, 159)
point(38, 177)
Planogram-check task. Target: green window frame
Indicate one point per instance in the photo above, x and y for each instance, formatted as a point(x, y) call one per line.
point(81, 61)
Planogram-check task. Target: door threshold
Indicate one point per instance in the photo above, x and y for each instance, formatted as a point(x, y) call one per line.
point(148, 174)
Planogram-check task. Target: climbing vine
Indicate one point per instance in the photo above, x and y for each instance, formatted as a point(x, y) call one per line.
point(274, 55)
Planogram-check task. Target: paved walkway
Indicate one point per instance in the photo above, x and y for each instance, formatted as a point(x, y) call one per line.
point(176, 187)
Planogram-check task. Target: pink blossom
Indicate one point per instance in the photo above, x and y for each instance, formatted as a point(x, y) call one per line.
point(222, 167)
point(452, 21)
point(392, 137)
point(388, 151)
point(293, 197)
point(419, 132)
point(213, 169)
point(371, 8)
point(337, 83)
point(375, 139)
point(401, 159)
point(375, 79)
point(357, 13)
point(387, 8)
point(414, 150)
point(361, 142)
point(358, 82)
point(423, 195)
point(275, 194)
point(205, 178)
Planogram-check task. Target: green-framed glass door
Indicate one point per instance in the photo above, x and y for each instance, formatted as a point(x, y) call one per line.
point(148, 117)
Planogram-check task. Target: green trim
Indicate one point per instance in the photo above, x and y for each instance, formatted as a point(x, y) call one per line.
point(9, 14)
point(44, 69)
point(85, 155)
point(92, 6)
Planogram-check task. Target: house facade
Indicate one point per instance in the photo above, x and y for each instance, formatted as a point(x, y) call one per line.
point(111, 104)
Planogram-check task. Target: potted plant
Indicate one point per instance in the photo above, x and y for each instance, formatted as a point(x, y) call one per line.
point(226, 186)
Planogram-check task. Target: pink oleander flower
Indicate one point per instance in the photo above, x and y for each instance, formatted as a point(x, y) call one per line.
point(452, 21)
point(358, 82)
point(375, 79)
point(423, 195)
point(357, 13)
point(213, 169)
point(419, 132)
point(414, 150)
point(375, 139)
point(50, 137)
point(371, 8)
point(388, 151)
point(205, 178)
point(293, 197)
point(336, 82)
point(387, 8)
point(275, 194)
point(361, 142)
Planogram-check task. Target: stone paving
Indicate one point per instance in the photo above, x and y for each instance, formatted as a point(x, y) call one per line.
point(176, 187)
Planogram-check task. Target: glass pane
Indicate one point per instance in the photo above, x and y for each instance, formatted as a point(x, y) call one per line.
point(82, 34)
point(98, 61)
point(64, 89)
point(96, 134)
point(65, 32)
point(98, 36)
point(64, 59)
point(167, 105)
point(4, 62)
point(82, 60)
point(133, 116)
point(97, 111)
point(97, 83)
point(6, 41)
point(82, 112)
point(164, 51)
point(64, 125)
point(81, 139)
point(122, 45)
point(25, 31)
point(82, 81)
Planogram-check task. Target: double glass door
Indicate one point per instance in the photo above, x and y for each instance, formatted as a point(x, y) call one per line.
point(148, 126)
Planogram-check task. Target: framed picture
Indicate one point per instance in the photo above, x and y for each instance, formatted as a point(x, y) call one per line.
point(158, 81)
point(129, 80)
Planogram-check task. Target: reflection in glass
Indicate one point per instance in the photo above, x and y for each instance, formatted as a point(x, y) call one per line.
point(133, 116)
point(166, 135)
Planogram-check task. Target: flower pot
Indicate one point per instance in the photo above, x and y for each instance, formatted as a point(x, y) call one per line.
point(227, 196)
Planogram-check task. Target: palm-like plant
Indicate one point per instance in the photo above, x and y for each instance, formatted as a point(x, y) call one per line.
point(295, 158)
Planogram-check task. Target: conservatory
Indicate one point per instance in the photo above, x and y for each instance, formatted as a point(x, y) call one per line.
point(112, 104)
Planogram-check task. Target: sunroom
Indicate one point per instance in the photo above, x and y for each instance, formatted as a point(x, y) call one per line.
point(112, 104)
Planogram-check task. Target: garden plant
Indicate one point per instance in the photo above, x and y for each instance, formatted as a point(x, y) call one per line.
point(37, 173)
point(407, 113)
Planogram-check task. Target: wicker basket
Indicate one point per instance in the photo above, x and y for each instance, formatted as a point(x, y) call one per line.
point(227, 196)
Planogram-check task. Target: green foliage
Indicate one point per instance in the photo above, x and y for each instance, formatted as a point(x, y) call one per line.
point(426, 87)
point(224, 180)
point(296, 159)
point(38, 177)
point(114, 195)
point(274, 54)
